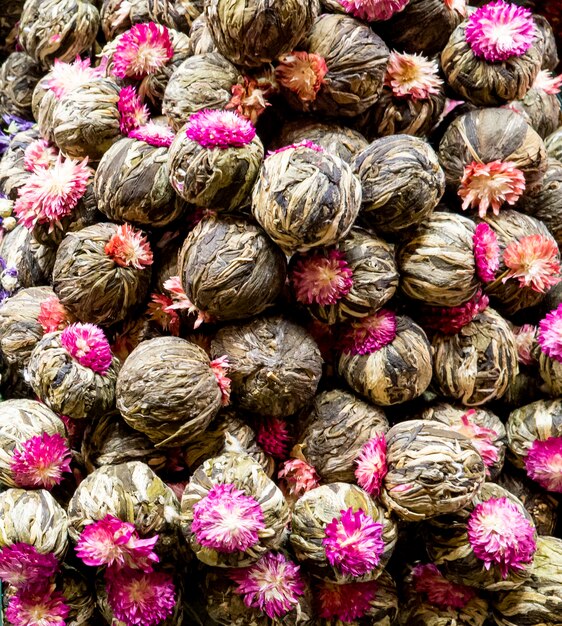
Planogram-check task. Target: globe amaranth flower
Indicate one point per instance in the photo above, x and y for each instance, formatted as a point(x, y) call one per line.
point(501, 536)
point(65, 77)
point(53, 315)
point(373, 10)
point(142, 50)
point(534, 261)
point(140, 598)
point(482, 438)
point(227, 520)
point(129, 248)
point(371, 465)
point(345, 602)
point(41, 606)
point(544, 463)
point(321, 279)
point(299, 476)
point(525, 338)
point(23, 566)
point(272, 585)
point(550, 334)
point(219, 129)
point(486, 252)
point(273, 437)
point(113, 542)
point(87, 344)
point(305, 143)
point(353, 542)
point(450, 320)
point(413, 76)
point(370, 333)
point(500, 30)
point(41, 461)
point(220, 367)
point(490, 185)
point(39, 153)
point(547, 82)
point(302, 73)
point(429, 581)
point(157, 135)
point(134, 114)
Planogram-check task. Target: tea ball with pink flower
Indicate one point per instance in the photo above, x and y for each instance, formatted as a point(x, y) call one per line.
point(550, 354)
point(18, 76)
point(232, 513)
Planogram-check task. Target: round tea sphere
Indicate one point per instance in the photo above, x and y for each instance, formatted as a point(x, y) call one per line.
point(179, 15)
point(553, 144)
point(550, 55)
point(117, 16)
point(34, 261)
point(540, 107)
point(18, 76)
point(13, 173)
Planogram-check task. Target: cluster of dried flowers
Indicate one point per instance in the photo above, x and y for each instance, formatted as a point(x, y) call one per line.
point(280, 313)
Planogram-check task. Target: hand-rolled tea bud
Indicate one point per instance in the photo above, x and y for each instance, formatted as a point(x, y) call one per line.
point(275, 365)
point(215, 160)
point(553, 144)
point(18, 76)
point(341, 534)
point(117, 16)
point(8, 26)
point(13, 173)
point(550, 55)
point(78, 595)
point(488, 68)
point(477, 364)
point(102, 272)
point(305, 197)
point(488, 545)
point(232, 513)
point(365, 10)
point(402, 183)
point(178, 15)
point(200, 39)
point(34, 261)
point(57, 29)
point(385, 358)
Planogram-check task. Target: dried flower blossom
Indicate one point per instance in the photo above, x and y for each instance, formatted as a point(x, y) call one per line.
point(39, 153)
point(87, 344)
point(501, 535)
point(371, 465)
point(182, 302)
point(500, 30)
point(321, 279)
point(302, 73)
point(482, 438)
point(346, 602)
point(525, 338)
point(486, 252)
point(50, 194)
point(273, 437)
point(299, 476)
point(142, 50)
point(41, 461)
point(129, 248)
point(250, 99)
point(534, 261)
point(140, 598)
point(486, 185)
point(154, 134)
point(64, 77)
point(373, 10)
point(53, 315)
point(428, 580)
point(450, 320)
point(23, 566)
point(353, 543)
point(412, 75)
point(273, 585)
point(133, 112)
point(370, 333)
point(550, 334)
point(219, 129)
point(301, 144)
point(547, 82)
point(112, 542)
point(544, 463)
point(159, 311)
point(220, 367)
point(227, 520)
point(37, 607)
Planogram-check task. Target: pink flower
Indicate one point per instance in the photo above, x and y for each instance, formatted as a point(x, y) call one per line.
point(500, 30)
point(373, 10)
point(49, 194)
point(154, 134)
point(23, 566)
point(41, 461)
point(486, 185)
point(486, 252)
point(142, 50)
point(87, 344)
point(37, 607)
point(429, 581)
point(182, 302)
point(129, 248)
point(220, 367)
point(450, 320)
point(302, 73)
point(370, 333)
point(353, 543)
point(52, 315)
point(500, 535)
point(299, 476)
point(65, 77)
point(273, 437)
point(160, 312)
point(534, 260)
point(140, 598)
point(219, 129)
point(371, 465)
point(346, 603)
point(227, 520)
point(39, 153)
point(115, 543)
point(412, 75)
point(525, 338)
point(457, 5)
point(321, 279)
point(249, 98)
point(545, 81)
point(544, 463)
point(133, 112)
point(272, 585)
point(301, 144)
point(482, 438)
point(550, 334)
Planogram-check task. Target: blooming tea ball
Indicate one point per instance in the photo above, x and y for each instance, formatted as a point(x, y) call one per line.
point(117, 16)
point(33, 260)
point(540, 105)
point(13, 173)
point(553, 144)
point(179, 15)
point(200, 38)
point(18, 76)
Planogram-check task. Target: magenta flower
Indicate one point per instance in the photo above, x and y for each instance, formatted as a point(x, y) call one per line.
point(482, 438)
point(42, 606)
point(87, 344)
point(450, 320)
point(373, 10)
point(370, 333)
point(39, 153)
point(346, 602)
point(535, 262)
point(140, 598)
point(129, 248)
point(273, 437)
point(53, 315)
point(142, 50)
point(550, 334)
point(227, 520)
point(113, 542)
point(486, 252)
point(299, 476)
point(501, 536)
point(294, 146)
point(65, 77)
point(220, 367)
point(429, 581)
point(321, 279)
point(41, 461)
point(371, 465)
point(544, 463)
point(23, 566)
point(500, 30)
point(354, 543)
point(219, 129)
point(272, 585)
point(133, 112)
point(154, 134)
point(413, 76)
